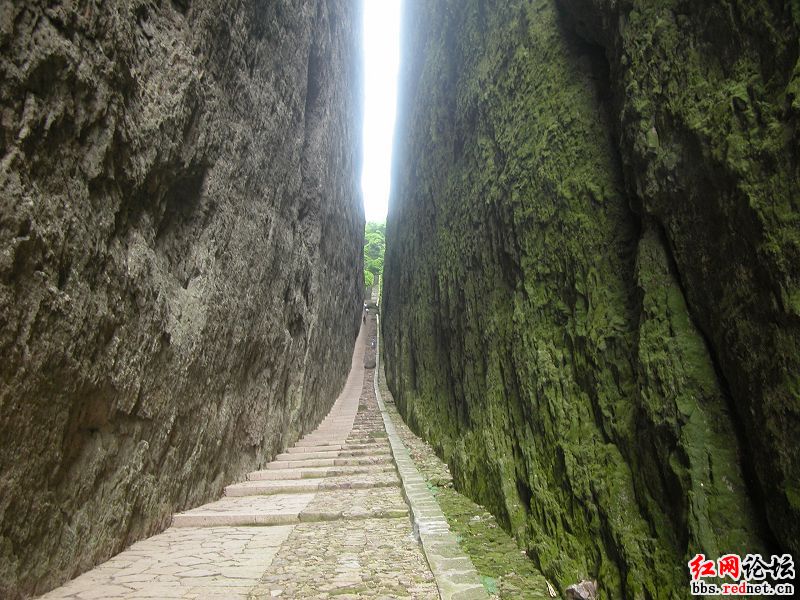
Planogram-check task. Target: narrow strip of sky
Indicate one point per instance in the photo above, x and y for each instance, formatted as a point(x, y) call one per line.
point(381, 62)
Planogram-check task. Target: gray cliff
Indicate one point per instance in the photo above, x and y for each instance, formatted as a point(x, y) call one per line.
point(180, 258)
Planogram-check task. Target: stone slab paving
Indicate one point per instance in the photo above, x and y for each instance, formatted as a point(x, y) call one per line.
point(274, 509)
point(327, 518)
point(205, 562)
point(360, 559)
point(380, 502)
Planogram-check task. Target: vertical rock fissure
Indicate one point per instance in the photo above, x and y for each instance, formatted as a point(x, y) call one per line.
point(612, 109)
point(751, 480)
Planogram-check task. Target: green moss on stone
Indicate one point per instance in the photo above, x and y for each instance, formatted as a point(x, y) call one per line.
point(552, 325)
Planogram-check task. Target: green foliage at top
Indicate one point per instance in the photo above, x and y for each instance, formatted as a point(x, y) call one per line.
point(374, 248)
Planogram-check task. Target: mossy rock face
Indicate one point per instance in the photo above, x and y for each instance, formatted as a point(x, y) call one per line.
point(717, 82)
point(590, 294)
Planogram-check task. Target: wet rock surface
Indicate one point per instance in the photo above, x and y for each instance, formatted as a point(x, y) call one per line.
point(590, 277)
point(179, 276)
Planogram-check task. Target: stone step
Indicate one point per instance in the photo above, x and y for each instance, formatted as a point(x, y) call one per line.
point(278, 509)
point(332, 447)
point(306, 455)
point(295, 464)
point(369, 439)
point(318, 448)
point(377, 451)
point(343, 440)
point(233, 519)
point(332, 454)
point(305, 486)
point(375, 513)
point(326, 505)
point(356, 504)
point(330, 462)
point(331, 428)
point(316, 472)
point(323, 440)
point(326, 442)
point(272, 487)
point(378, 443)
point(270, 503)
point(266, 519)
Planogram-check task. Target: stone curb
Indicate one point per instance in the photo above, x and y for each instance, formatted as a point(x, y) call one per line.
point(453, 570)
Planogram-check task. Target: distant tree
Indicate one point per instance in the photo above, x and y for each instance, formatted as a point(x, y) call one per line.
point(374, 248)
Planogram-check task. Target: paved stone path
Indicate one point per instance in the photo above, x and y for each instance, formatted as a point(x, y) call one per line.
point(326, 519)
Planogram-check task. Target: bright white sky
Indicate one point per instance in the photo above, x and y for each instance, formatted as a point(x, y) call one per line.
point(381, 61)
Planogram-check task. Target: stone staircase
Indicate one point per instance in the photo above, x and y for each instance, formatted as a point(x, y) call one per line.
point(326, 518)
point(347, 453)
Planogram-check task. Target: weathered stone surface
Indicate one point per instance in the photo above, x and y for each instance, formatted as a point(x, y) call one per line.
point(585, 590)
point(180, 248)
point(195, 562)
point(591, 279)
point(707, 108)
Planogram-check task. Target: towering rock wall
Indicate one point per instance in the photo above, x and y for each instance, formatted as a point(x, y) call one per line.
point(592, 275)
point(180, 266)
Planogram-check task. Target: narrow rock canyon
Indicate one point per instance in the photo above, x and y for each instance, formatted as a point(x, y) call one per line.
point(590, 298)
